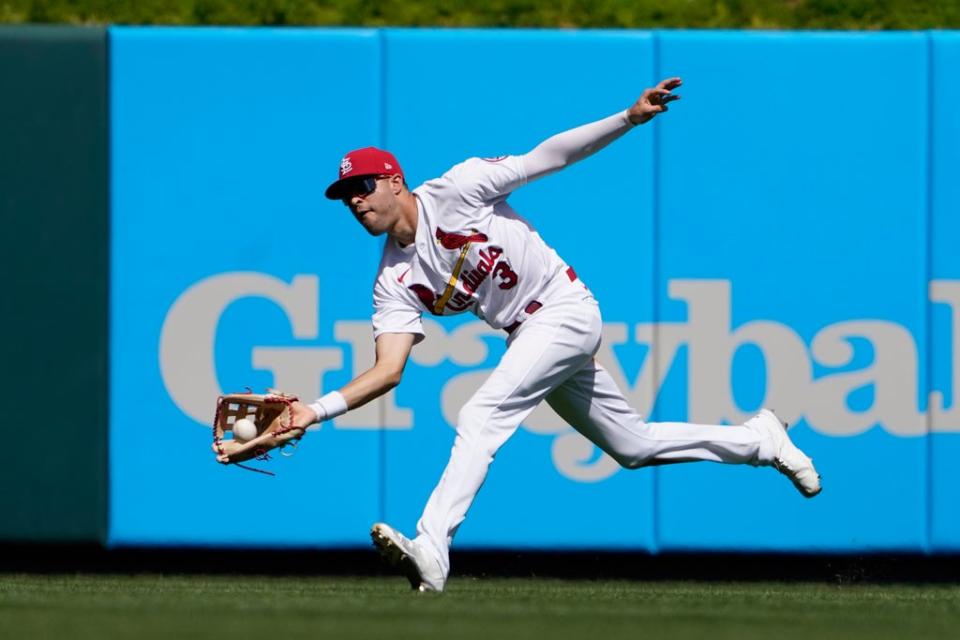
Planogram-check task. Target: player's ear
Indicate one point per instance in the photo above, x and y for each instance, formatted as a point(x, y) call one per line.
point(397, 184)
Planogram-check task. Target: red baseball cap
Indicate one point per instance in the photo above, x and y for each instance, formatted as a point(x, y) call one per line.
point(368, 161)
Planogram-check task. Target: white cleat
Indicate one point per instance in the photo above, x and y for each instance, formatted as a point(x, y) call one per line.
point(787, 458)
point(421, 569)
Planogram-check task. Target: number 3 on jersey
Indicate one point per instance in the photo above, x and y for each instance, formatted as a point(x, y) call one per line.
point(506, 274)
point(502, 270)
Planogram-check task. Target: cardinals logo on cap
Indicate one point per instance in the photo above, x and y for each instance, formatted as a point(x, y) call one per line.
point(345, 166)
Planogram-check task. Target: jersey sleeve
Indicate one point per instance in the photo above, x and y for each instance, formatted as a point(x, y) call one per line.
point(483, 180)
point(393, 310)
point(564, 149)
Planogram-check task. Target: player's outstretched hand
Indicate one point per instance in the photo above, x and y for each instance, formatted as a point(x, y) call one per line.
point(654, 101)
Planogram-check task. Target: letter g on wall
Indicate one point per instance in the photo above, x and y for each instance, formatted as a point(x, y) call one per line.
point(189, 331)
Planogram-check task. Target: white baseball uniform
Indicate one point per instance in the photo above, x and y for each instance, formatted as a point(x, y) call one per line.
point(473, 252)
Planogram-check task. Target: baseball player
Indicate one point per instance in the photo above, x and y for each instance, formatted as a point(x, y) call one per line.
point(455, 244)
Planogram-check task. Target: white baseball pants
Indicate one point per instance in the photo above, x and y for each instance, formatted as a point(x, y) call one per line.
point(550, 357)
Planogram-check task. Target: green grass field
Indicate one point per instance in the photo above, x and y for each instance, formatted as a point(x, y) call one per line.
point(182, 607)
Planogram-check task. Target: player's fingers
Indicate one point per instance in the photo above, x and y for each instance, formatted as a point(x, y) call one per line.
point(669, 98)
point(659, 96)
point(670, 83)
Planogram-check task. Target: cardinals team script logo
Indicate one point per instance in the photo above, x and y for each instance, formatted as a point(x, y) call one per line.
point(490, 262)
point(345, 166)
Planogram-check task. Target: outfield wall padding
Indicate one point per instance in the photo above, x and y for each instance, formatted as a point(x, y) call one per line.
point(53, 204)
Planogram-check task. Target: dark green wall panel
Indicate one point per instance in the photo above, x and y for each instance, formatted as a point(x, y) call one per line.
point(54, 212)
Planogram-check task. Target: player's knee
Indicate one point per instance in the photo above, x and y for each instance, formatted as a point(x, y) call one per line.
point(482, 429)
point(469, 422)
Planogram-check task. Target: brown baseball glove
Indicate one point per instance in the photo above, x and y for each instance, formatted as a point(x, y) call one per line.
point(270, 414)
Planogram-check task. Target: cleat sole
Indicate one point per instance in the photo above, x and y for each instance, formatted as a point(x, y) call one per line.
point(395, 557)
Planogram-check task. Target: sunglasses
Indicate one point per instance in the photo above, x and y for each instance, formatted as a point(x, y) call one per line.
point(362, 186)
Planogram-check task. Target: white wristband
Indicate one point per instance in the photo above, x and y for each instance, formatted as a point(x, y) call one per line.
point(329, 406)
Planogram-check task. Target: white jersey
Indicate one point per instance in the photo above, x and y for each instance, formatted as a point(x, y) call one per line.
point(472, 252)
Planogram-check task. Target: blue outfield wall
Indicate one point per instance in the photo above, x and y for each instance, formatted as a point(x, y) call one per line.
point(783, 237)
point(944, 443)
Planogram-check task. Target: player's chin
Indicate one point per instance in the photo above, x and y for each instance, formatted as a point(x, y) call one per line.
point(374, 231)
point(372, 227)
point(369, 222)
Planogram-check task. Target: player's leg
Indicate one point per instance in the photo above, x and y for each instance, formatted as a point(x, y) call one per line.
point(557, 341)
point(592, 403)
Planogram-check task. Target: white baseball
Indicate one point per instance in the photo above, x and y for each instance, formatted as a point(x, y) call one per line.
point(244, 430)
